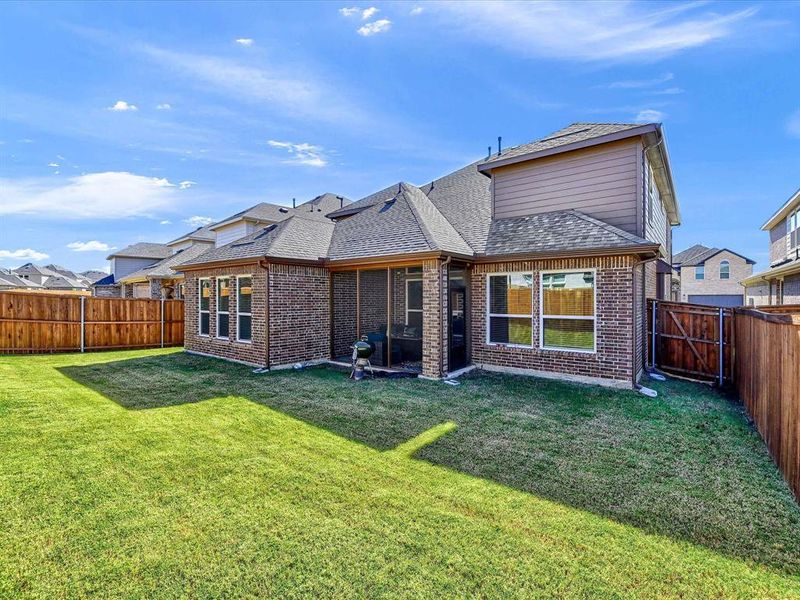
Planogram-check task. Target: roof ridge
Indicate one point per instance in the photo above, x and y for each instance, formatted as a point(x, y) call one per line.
point(429, 235)
point(415, 213)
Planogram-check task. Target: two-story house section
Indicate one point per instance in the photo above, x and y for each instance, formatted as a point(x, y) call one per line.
point(780, 284)
point(711, 276)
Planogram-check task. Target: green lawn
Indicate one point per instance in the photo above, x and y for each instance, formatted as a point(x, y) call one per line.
point(159, 474)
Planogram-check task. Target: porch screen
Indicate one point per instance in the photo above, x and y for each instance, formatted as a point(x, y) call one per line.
point(568, 315)
point(511, 309)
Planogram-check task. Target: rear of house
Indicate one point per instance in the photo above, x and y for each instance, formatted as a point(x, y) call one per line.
point(780, 284)
point(536, 260)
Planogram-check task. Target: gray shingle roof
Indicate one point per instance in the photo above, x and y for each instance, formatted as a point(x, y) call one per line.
point(263, 211)
point(406, 223)
point(165, 268)
point(94, 275)
point(204, 234)
point(59, 282)
point(559, 231)
point(304, 236)
point(324, 203)
point(10, 280)
point(689, 253)
point(577, 132)
point(698, 254)
point(30, 269)
point(143, 250)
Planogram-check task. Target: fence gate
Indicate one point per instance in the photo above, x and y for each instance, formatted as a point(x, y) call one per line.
point(685, 339)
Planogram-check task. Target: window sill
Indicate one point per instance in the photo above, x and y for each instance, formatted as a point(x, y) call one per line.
point(226, 339)
point(572, 350)
point(244, 341)
point(502, 345)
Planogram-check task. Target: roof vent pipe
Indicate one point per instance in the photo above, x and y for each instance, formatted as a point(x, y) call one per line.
point(488, 152)
point(499, 145)
point(294, 203)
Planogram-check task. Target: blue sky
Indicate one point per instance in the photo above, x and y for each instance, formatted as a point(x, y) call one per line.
point(129, 122)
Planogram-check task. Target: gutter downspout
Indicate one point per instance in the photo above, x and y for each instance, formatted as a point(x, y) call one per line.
point(265, 265)
point(635, 383)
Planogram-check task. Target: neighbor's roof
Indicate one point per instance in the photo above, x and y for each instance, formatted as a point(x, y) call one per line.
point(60, 282)
point(557, 232)
point(164, 269)
point(699, 254)
point(203, 234)
point(263, 211)
point(143, 250)
point(9, 279)
point(304, 236)
point(790, 268)
point(93, 275)
point(324, 203)
point(406, 223)
point(782, 212)
point(29, 268)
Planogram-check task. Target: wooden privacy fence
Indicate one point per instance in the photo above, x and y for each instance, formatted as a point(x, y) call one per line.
point(768, 378)
point(40, 323)
point(685, 339)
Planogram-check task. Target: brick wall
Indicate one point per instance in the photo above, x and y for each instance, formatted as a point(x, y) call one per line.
point(344, 312)
point(107, 291)
point(434, 330)
point(299, 314)
point(777, 242)
point(254, 352)
point(791, 289)
point(614, 288)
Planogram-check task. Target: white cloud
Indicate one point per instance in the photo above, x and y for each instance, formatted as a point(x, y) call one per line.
point(247, 42)
point(649, 115)
point(417, 10)
point(23, 254)
point(591, 31)
point(165, 222)
point(107, 195)
point(198, 221)
point(164, 106)
point(641, 83)
point(53, 164)
point(91, 246)
point(185, 185)
point(672, 91)
point(302, 154)
point(122, 106)
point(368, 13)
point(375, 27)
point(793, 125)
point(348, 12)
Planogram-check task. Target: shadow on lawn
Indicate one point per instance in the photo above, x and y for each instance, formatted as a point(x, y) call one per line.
point(687, 466)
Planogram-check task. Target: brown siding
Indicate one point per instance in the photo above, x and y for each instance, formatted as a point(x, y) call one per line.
point(602, 182)
point(614, 359)
point(655, 218)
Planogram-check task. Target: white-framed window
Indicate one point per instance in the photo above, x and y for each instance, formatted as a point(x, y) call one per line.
point(414, 302)
point(244, 308)
point(700, 272)
point(793, 229)
point(223, 306)
point(567, 311)
point(509, 304)
point(204, 305)
point(725, 270)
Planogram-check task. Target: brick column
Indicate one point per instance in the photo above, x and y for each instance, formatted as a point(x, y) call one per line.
point(434, 322)
point(155, 289)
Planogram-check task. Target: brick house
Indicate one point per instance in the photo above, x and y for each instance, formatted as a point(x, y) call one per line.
point(536, 260)
point(780, 284)
point(711, 276)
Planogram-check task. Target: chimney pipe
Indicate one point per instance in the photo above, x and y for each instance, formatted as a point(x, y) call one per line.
point(499, 145)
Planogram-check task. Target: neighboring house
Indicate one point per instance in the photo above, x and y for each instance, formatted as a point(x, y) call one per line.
point(780, 284)
point(60, 282)
point(711, 276)
point(93, 275)
point(126, 261)
point(11, 281)
point(34, 273)
point(534, 260)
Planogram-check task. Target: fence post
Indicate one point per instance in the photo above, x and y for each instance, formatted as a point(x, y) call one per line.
point(83, 323)
point(653, 336)
point(162, 322)
point(721, 346)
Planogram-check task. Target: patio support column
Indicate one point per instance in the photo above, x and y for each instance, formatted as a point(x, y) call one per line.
point(389, 317)
point(358, 304)
point(434, 325)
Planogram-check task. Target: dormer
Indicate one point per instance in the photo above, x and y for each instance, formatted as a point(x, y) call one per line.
point(616, 173)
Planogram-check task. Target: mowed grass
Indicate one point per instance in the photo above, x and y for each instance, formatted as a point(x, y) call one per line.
point(161, 474)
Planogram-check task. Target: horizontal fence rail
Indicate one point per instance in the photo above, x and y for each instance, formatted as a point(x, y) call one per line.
point(32, 323)
point(768, 379)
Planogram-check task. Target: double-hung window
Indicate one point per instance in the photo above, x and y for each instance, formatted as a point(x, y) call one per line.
point(510, 304)
point(414, 302)
point(223, 306)
point(793, 229)
point(700, 272)
point(567, 311)
point(725, 270)
point(244, 308)
point(204, 286)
